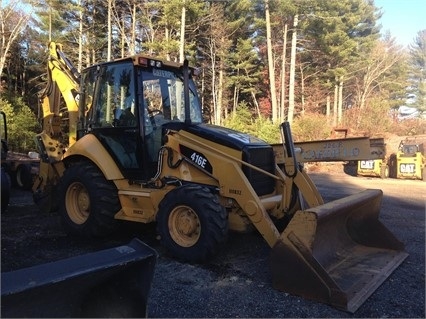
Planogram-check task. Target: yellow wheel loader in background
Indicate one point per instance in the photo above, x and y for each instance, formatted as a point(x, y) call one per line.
point(129, 144)
point(411, 158)
point(374, 167)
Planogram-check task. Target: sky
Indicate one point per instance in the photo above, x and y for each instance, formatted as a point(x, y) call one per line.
point(403, 18)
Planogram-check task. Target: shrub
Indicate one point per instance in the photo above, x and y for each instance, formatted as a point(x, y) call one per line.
point(310, 127)
point(22, 125)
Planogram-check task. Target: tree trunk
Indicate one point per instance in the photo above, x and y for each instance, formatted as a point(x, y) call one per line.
point(50, 22)
point(283, 77)
point(167, 39)
point(302, 89)
point(336, 89)
point(292, 71)
point(133, 42)
point(182, 34)
point(235, 100)
point(213, 84)
point(220, 95)
point(340, 105)
point(271, 64)
point(109, 30)
point(80, 37)
point(327, 108)
point(255, 103)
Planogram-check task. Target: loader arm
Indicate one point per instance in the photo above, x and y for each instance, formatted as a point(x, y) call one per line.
point(231, 181)
point(289, 177)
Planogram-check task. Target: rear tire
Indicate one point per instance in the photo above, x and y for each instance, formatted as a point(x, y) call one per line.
point(87, 201)
point(5, 190)
point(192, 223)
point(393, 166)
point(23, 177)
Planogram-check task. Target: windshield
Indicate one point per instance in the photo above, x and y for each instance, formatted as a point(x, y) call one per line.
point(163, 93)
point(409, 149)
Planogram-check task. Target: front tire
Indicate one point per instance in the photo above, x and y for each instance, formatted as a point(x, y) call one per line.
point(87, 201)
point(191, 223)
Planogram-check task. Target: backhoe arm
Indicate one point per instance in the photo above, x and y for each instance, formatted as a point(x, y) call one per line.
point(59, 124)
point(63, 80)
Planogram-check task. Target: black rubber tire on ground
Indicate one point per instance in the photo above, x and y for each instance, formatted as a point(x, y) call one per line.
point(46, 200)
point(5, 190)
point(191, 223)
point(23, 178)
point(393, 166)
point(87, 201)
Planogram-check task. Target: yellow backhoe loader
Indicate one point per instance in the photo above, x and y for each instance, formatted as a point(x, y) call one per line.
point(129, 144)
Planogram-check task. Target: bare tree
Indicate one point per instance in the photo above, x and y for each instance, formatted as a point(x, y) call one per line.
point(373, 74)
point(12, 21)
point(125, 19)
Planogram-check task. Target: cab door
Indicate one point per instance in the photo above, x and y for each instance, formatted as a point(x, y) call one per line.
point(111, 113)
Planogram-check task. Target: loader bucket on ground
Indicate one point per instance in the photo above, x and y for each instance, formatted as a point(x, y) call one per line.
point(109, 283)
point(338, 253)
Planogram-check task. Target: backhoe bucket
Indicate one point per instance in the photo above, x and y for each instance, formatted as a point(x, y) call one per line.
point(338, 253)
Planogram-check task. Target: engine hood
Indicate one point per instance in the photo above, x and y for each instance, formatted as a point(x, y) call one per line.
point(225, 136)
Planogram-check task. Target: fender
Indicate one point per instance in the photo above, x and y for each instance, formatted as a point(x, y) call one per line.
point(90, 147)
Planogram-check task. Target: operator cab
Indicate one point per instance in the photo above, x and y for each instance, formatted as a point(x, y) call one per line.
point(126, 105)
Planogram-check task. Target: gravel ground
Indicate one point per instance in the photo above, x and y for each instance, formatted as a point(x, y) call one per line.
point(237, 282)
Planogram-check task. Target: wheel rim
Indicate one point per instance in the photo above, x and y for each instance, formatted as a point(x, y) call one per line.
point(184, 226)
point(77, 203)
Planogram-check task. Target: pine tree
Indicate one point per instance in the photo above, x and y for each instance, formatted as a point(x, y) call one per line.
point(417, 76)
point(341, 33)
point(246, 73)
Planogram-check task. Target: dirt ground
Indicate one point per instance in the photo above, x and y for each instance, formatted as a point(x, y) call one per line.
point(237, 282)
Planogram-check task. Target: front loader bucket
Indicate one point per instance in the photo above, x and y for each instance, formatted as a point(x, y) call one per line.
point(338, 253)
point(114, 282)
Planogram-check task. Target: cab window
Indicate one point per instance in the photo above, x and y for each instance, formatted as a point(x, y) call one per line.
point(116, 96)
